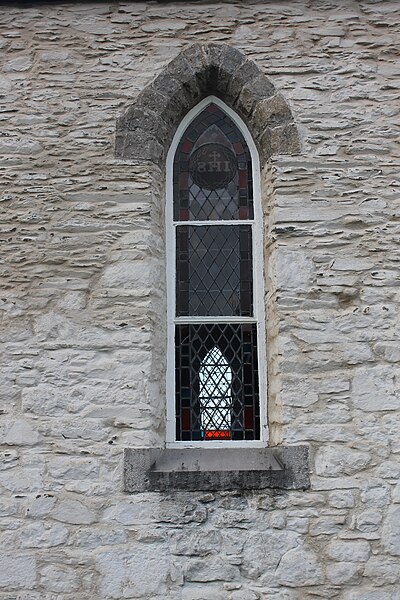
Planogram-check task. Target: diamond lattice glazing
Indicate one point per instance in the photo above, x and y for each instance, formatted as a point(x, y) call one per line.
point(216, 382)
point(214, 270)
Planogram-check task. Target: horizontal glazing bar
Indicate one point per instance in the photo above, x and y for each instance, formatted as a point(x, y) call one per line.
point(191, 320)
point(220, 223)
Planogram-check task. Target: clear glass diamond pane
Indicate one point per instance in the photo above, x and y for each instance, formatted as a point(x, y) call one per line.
point(214, 270)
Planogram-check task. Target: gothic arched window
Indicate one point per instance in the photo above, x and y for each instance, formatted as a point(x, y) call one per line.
point(216, 354)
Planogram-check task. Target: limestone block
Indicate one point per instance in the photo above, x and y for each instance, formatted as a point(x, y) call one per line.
point(20, 146)
point(213, 569)
point(95, 538)
point(8, 507)
point(299, 567)
point(5, 85)
point(331, 461)
point(327, 525)
point(373, 389)
point(73, 467)
point(368, 520)
point(43, 535)
point(131, 512)
point(256, 562)
point(93, 26)
point(59, 578)
point(40, 506)
point(348, 551)
point(343, 572)
point(163, 25)
point(342, 499)
point(22, 480)
point(389, 469)
point(17, 572)
point(382, 570)
point(126, 274)
point(8, 459)
point(365, 593)
point(391, 531)
point(74, 512)
point(376, 494)
point(196, 543)
point(390, 351)
point(140, 572)
point(202, 592)
point(21, 63)
point(293, 269)
point(396, 494)
point(21, 433)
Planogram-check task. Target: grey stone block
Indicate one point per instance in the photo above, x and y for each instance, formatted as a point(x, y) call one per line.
point(191, 469)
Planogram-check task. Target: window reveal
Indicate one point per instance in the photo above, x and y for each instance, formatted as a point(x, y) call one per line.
point(216, 359)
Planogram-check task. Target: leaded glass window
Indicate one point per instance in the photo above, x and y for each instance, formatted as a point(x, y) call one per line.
point(216, 325)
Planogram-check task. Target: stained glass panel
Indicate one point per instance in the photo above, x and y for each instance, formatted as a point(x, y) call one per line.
point(212, 170)
point(214, 270)
point(216, 382)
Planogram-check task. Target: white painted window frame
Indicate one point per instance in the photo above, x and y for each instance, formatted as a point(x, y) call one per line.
point(258, 285)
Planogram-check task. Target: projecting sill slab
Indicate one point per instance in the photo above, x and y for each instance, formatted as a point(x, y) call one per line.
point(213, 469)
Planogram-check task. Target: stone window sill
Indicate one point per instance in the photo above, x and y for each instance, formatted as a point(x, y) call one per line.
point(211, 469)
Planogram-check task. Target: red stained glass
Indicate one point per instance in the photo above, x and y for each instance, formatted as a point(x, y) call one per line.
point(187, 146)
point(243, 179)
point(238, 147)
point(243, 212)
point(248, 417)
point(212, 108)
point(184, 214)
point(185, 414)
point(218, 435)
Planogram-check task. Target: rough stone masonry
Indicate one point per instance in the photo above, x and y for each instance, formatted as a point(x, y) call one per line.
point(83, 305)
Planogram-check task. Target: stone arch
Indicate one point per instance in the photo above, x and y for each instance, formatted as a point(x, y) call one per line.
point(146, 129)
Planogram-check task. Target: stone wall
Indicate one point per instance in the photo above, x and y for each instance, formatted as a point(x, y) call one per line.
point(82, 302)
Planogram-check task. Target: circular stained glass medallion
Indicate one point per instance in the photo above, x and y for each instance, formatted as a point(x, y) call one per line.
point(212, 166)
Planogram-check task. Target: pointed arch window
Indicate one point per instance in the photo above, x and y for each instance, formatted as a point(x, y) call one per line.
point(215, 380)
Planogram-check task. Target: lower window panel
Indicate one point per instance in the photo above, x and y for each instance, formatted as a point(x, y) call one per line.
point(216, 382)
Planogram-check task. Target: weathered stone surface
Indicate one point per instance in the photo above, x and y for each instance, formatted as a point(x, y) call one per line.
point(382, 570)
point(391, 531)
point(21, 433)
point(17, 572)
point(210, 469)
point(140, 573)
point(74, 512)
point(373, 389)
point(342, 573)
point(201, 71)
point(332, 461)
point(41, 535)
point(299, 567)
point(259, 563)
point(349, 551)
point(83, 355)
point(60, 579)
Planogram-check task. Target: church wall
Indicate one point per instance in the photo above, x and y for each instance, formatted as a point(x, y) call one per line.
point(83, 309)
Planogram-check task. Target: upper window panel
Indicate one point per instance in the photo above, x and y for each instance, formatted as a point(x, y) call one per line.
point(212, 171)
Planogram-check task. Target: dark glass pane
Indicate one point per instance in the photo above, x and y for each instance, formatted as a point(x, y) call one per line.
point(212, 170)
point(219, 401)
point(214, 270)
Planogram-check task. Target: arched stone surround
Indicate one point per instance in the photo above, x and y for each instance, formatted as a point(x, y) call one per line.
point(146, 129)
